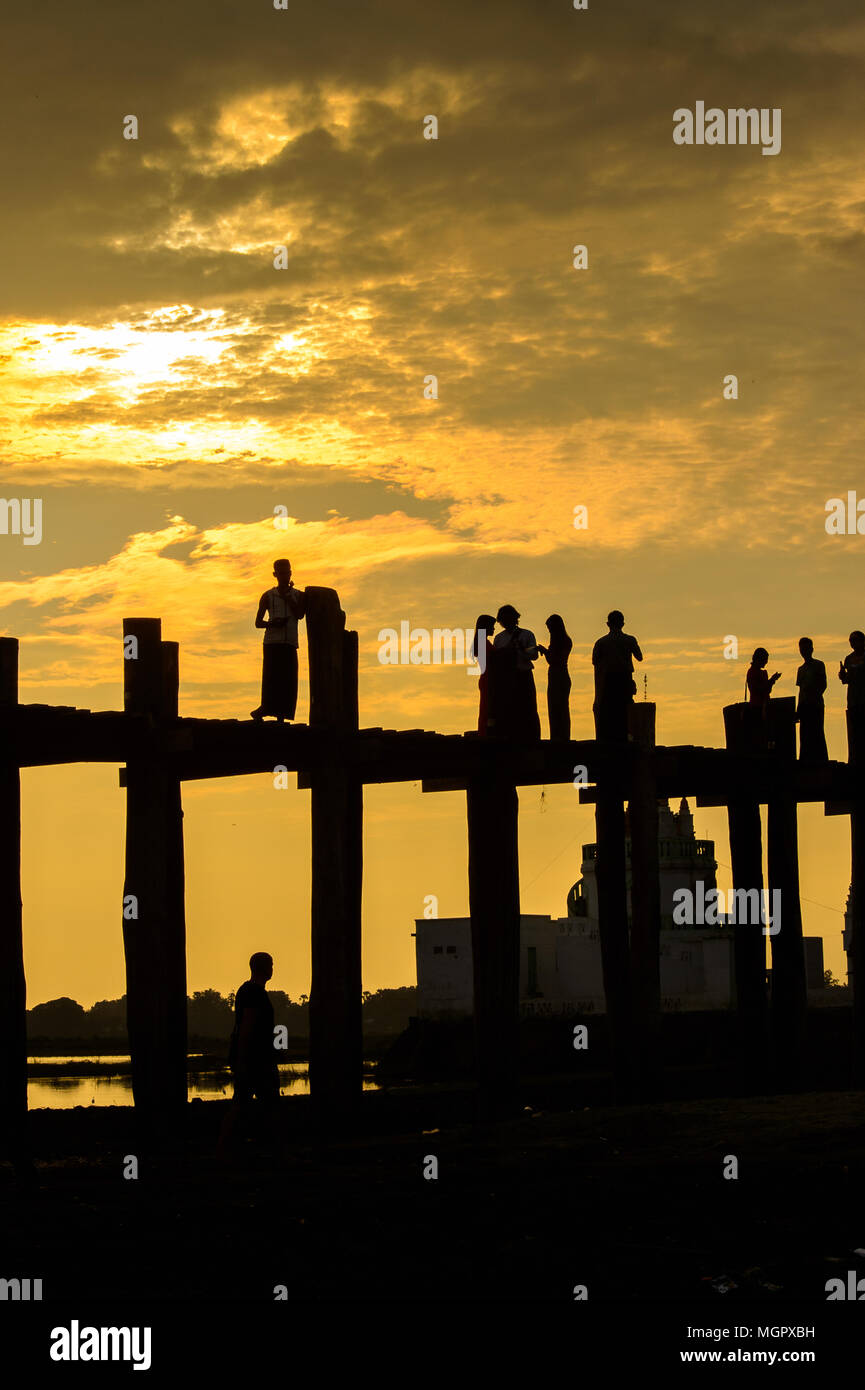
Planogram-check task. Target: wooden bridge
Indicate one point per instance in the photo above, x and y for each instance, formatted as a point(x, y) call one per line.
point(334, 759)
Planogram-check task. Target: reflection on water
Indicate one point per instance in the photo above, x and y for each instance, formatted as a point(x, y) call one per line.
point(64, 1092)
point(57, 1059)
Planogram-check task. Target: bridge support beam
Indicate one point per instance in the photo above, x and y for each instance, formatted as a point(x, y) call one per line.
point(611, 877)
point(749, 943)
point(789, 985)
point(494, 904)
point(154, 923)
point(645, 960)
point(335, 1003)
point(856, 954)
point(13, 996)
point(335, 1017)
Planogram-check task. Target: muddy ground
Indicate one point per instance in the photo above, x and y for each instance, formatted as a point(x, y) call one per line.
point(629, 1201)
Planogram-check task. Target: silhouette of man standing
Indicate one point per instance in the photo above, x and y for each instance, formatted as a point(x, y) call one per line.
point(851, 672)
point(811, 680)
point(613, 660)
point(251, 1055)
point(284, 605)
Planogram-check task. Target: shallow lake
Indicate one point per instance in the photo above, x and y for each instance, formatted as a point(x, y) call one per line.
point(64, 1092)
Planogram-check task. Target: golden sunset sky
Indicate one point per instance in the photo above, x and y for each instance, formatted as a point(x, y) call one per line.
point(165, 388)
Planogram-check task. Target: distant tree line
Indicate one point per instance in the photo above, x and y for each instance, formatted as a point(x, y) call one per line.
point(211, 1015)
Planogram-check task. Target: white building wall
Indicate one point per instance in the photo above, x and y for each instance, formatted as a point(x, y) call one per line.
point(443, 953)
point(581, 979)
point(720, 970)
point(696, 967)
point(538, 964)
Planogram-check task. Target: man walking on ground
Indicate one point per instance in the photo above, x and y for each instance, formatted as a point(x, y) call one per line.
point(251, 1055)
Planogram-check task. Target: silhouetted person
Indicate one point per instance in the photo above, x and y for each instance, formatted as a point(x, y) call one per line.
point(851, 673)
point(613, 659)
point(482, 650)
point(759, 684)
point(758, 681)
point(810, 712)
point(251, 1054)
point(514, 701)
point(558, 680)
point(284, 605)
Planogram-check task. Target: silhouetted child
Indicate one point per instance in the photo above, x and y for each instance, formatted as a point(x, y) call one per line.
point(284, 605)
point(514, 699)
point(810, 712)
point(613, 658)
point(251, 1054)
point(558, 680)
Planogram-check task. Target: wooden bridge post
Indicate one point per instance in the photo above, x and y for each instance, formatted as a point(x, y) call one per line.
point(494, 905)
point(611, 879)
point(13, 996)
point(789, 985)
point(154, 926)
point(856, 956)
point(749, 943)
point(335, 1002)
point(645, 960)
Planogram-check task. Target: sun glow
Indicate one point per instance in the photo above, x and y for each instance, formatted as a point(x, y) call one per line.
point(126, 357)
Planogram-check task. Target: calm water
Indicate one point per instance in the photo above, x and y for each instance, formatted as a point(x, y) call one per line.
point(63, 1092)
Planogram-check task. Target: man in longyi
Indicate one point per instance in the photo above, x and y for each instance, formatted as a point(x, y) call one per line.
point(284, 605)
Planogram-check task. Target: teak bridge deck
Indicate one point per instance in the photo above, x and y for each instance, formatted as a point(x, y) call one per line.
point(334, 758)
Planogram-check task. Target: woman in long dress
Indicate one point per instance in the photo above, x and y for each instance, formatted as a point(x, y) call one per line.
point(759, 685)
point(514, 700)
point(482, 650)
point(558, 679)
